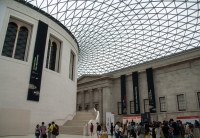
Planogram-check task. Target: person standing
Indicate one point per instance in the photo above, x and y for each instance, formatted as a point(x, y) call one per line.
point(165, 130)
point(104, 132)
point(158, 131)
point(175, 128)
point(191, 132)
point(111, 129)
point(37, 131)
point(51, 130)
point(43, 130)
point(147, 131)
point(182, 129)
point(125, 131)
point(129, 128)
point(117, 130)
point(140, 130)
point(49, 133)
point(98, 130)
point(91, 129)
point(120, 130)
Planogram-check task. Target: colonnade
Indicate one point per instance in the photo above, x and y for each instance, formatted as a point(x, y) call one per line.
point(91, 103)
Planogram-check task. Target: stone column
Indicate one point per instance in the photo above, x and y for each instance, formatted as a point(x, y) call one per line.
point(91, 99)
point(100, 105)
point(106, 102)
point(82, 100)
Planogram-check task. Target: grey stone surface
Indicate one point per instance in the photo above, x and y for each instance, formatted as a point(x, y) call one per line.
point(178, 74)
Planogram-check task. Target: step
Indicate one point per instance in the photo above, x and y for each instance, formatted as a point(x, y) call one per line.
point(83, 117)
point(84, 113)
point(71, 130)
point(75, 126)
point(75, 123)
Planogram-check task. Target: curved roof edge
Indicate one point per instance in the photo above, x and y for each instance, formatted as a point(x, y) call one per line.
point(48, 16)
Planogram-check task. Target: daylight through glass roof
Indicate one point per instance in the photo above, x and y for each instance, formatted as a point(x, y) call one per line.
point(114, 34)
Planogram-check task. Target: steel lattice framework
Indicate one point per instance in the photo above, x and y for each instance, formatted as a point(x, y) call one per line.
point(114, 34)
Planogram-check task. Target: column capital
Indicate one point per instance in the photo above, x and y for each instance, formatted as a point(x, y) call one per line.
point(90, 90)
point(99, 89)
point(82, 92)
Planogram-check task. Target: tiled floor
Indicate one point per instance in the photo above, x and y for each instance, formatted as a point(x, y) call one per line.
point(60, 136)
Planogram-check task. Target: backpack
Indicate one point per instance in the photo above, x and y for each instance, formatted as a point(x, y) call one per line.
point(55, 130)
point(37, 132)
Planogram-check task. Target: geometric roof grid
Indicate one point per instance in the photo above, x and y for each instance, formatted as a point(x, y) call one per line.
point(114, 34)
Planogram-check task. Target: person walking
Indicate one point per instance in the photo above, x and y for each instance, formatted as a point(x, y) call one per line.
point(91, 129)
point(98, 130)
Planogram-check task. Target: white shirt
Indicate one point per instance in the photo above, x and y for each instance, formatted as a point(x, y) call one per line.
point(157, 131)
point(104, 132)
point(116, 128)
point(121, 129)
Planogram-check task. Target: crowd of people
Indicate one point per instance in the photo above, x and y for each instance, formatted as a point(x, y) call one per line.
point(43, 132)
point(101, 130)
point(165, 129)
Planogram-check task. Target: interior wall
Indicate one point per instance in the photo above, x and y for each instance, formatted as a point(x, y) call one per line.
point(169, 81)
point(57, 93)
point(14, 121)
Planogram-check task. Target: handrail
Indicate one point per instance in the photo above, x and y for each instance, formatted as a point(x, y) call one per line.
point(86, 127)
point(63, 121)
point(97, 114)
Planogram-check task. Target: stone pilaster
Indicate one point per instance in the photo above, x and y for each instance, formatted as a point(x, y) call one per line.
point(100, 105)
point(91, 99)
point(106, 102)
point(82, 100)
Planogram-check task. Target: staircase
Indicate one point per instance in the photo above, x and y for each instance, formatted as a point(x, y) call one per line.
point(75, 126)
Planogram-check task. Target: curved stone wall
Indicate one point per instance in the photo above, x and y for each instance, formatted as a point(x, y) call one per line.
point(57, 99)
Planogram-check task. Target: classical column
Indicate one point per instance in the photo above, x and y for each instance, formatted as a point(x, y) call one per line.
point(82, 100)
point(91, 99)
point(100, 105)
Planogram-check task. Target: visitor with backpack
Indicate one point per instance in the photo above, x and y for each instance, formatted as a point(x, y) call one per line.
point(54, 130)
point(37, 131)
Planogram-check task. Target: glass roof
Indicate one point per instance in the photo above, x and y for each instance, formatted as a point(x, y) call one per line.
point(114, 34)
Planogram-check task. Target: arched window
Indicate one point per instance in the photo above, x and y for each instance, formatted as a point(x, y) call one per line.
point(21, 43)
point(47, 60)
point(15, 43)
point(53, 54)
point(9, 42)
